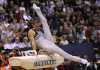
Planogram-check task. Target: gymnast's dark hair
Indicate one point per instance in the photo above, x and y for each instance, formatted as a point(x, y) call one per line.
point(33, 21)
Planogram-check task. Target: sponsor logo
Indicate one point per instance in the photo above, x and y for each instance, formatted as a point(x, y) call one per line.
point(44, 62)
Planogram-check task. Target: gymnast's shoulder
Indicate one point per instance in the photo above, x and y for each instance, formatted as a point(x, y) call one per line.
point(31, 32)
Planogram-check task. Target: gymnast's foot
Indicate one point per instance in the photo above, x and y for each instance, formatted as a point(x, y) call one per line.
point(35, 7)
point(84, 61)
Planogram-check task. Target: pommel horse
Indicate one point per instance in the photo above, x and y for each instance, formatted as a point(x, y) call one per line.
point(37, 61)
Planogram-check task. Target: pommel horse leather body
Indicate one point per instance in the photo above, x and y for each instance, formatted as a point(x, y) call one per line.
point(37, 61)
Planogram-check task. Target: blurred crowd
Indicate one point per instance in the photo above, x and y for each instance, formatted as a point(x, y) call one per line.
point(71, 22)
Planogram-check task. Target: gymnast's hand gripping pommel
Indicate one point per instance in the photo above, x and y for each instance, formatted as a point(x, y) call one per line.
point(47, 42)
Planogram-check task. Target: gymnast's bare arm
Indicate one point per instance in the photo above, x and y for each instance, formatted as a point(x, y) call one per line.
point(31, 35)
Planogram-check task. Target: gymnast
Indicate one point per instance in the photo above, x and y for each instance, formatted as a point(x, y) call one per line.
point(42, 37)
